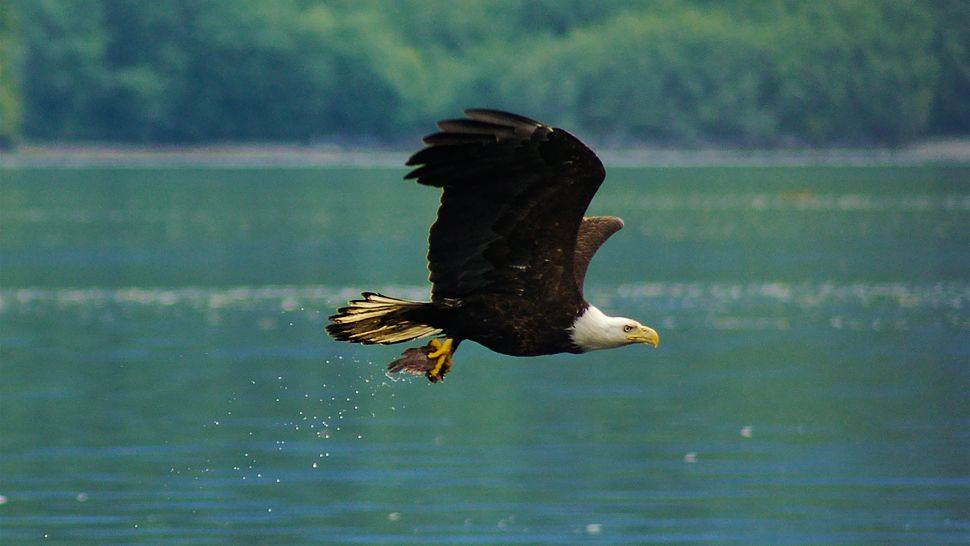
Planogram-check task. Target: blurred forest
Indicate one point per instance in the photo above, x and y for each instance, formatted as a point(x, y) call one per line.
point(673, 73)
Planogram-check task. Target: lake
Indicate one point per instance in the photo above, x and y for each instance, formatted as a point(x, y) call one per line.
point(165, 374)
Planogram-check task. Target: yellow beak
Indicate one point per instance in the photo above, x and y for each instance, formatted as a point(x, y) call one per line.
point(645, 335)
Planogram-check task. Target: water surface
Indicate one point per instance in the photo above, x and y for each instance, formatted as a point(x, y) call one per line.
point(165, 375)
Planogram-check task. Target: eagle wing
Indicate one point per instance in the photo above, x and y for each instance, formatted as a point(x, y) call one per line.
point(593, 232)
point(515, 191)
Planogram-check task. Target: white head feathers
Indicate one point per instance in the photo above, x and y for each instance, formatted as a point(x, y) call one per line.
point(595, 330)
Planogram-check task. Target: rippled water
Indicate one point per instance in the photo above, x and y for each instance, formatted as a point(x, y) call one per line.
point(165, 375)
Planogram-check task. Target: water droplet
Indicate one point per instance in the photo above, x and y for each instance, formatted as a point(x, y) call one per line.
point(594, 528)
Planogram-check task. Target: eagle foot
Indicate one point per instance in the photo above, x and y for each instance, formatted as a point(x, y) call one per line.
point(443, 351)
point(433, 360)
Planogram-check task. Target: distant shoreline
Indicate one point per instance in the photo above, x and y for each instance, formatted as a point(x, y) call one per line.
point(243, 155)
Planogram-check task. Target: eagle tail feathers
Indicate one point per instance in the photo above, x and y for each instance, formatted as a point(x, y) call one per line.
point(381, 319)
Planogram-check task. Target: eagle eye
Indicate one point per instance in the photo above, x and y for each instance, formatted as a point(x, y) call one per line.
point(628, 328)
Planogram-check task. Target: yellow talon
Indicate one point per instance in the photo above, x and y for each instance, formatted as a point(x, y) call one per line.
point(442, 352)
point(441, 347)
point(437, 368)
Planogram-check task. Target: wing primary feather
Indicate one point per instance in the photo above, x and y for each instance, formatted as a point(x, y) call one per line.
point(500, 117)
point(470, 126)
point(444, 138)
point(449, 152)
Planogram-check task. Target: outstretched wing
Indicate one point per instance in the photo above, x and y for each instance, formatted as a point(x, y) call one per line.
point(515, 191)
point(593, 232)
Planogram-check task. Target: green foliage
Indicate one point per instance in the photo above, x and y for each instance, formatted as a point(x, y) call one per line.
point(855, 71)
point(951, 44)
point(640, 76)
point(680, 72)
point(10, 108)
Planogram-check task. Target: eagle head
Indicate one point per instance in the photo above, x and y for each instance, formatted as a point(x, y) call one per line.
point(595, 330)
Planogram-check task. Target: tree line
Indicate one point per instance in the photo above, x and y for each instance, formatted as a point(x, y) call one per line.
point(684, 73)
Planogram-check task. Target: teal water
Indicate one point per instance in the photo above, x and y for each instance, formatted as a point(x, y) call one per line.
point(165, 375)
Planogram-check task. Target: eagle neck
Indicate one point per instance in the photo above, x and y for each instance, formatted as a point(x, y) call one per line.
point(593, 330)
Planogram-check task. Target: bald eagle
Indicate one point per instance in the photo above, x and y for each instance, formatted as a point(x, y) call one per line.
point(508, 252)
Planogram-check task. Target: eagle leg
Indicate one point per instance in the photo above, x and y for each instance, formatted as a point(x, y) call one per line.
point(432, 360)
